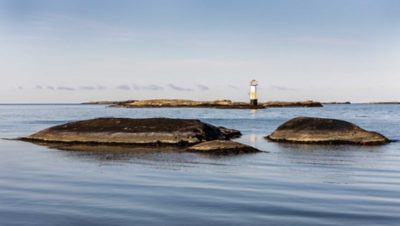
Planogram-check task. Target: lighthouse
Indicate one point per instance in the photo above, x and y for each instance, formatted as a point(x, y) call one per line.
point(253, 92)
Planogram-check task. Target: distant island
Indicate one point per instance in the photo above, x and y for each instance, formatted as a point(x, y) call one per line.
point(334, 102)
point(387, 102)
point(222, 104)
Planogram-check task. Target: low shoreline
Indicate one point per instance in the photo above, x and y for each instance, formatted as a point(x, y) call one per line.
point(335, 102)
point(220, 104)
point(389, 102)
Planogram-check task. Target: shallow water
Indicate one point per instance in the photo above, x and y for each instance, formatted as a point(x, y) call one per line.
point(288, 185)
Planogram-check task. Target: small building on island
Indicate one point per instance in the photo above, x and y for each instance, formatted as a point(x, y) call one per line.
point(253, 92)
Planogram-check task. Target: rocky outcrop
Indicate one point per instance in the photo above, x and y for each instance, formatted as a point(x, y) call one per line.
point(95, 135)
point(222, 104)
point(222, 147)
point(230, 133)
point(324, 131)
point(152, 131)
point(307, 103)
point(107, 102)
point(176, 103)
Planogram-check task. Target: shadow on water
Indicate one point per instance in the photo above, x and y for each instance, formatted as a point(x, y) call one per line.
point(129, 153)
point(329, 154)
point(327, 147)
point(331, 164)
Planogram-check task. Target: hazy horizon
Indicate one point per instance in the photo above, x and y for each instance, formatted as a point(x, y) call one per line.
point(78, 51)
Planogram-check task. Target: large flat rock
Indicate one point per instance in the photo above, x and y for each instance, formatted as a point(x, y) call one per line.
point(325, 131)
point(153, 131)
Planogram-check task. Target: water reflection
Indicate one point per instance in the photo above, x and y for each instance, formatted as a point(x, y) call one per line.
point(338, 164)
point(127, 152)
point(327, 147)
point(328, 155)
point(253, 139)
point(291, 185)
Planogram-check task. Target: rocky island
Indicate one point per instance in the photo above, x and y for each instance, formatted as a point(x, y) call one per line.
point(177, 103)
point(386, 102)
point(335, 102)
point(307, 103)
point(106, 102)
point(221, 104)
point(324, 131)
point(139, 132)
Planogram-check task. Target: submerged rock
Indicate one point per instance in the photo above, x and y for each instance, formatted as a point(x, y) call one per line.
point(324, 131)
point(223, 147)
point(151, 131)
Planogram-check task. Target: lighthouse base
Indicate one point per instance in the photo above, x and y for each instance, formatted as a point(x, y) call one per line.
point(253, 102)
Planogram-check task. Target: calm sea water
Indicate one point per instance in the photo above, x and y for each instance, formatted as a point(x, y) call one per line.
point(288, 185)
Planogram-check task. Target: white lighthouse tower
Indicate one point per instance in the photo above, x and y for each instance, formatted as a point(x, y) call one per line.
point(253, 92)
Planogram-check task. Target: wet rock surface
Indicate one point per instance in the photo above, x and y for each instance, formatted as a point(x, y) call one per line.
point(223, 147)
point(151, 131)
point(325, 131)
point(230, 133)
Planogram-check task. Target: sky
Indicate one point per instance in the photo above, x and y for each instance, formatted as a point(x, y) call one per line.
point(54, 51)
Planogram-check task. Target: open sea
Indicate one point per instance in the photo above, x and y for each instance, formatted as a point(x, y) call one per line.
point(285, 185)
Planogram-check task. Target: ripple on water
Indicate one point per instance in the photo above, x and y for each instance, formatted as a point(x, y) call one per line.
point(289, 185)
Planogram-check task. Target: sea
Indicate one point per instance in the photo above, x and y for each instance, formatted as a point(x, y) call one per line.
point(286, 184)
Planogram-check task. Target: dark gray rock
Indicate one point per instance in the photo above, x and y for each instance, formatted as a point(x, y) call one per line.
point(151, 131)
point(222, 147)
point(325, 131)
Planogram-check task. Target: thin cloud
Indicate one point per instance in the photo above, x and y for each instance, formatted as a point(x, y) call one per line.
point(233, 87)
point(65, 88)
point(136, 87)
point(100, 87)
point(152, 87)
point(123, 87)
point(203, 87)
point(69, 88)
point(178, 88)
point(88, 88)
point(20, 88)
point(91, 88)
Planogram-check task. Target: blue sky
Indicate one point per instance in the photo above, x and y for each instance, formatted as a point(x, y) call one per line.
point(73, 51)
